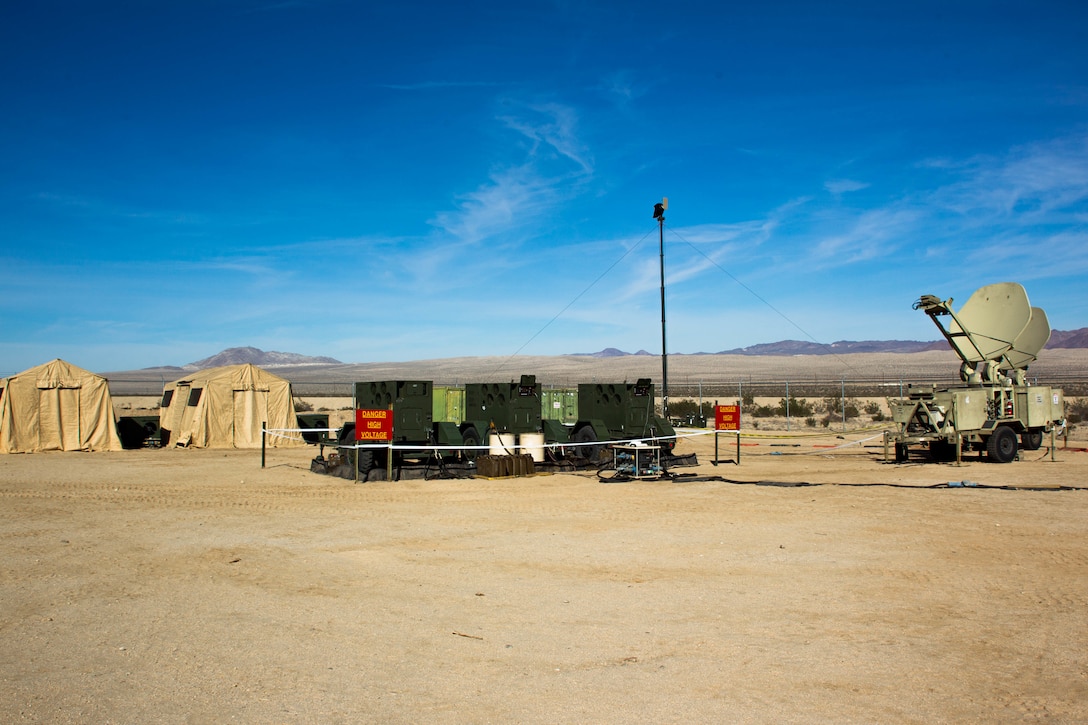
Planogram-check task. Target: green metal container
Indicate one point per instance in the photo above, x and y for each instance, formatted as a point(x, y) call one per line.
point(510, 407)
point(559, 404)
point(449, 404)
point(624, 410)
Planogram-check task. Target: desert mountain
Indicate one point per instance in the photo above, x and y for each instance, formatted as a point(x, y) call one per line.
point(271, 359)
point(1069, 339)
point(610, 352)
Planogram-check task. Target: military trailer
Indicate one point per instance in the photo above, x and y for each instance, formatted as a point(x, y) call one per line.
point(315, 423)
point(139, 431)
point(617, 412)
point(996, 334)
point(509, 410)
point(412, 404)
point(510, 407)
point(506, 408)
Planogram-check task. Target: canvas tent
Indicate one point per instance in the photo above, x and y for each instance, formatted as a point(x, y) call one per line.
point(56, 407)
point(224, 408)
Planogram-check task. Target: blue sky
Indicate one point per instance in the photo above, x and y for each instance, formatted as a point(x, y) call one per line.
point(417, 180)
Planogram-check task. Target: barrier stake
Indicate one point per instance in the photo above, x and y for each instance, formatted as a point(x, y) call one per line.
point(262, 443)
point(389, 469)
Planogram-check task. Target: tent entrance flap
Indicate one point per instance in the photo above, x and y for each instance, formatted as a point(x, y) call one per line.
point(58, 419)
point(250, 411)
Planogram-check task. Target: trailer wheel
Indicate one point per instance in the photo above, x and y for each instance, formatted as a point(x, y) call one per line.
point(586, 435)
point(1031, 440)
point(1001, 445)
point(346, 437)
point(471, 438)
point(366, 462)
point(348, 455)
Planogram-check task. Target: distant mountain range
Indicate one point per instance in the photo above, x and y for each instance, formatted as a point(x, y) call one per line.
point(1058, 339)
point(272, 359)
point(842, 347)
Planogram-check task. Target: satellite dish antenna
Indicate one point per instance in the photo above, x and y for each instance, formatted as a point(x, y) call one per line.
point(996, 329)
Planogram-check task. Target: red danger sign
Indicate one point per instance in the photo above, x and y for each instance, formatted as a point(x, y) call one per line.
point(727, 417)
point(373, 425)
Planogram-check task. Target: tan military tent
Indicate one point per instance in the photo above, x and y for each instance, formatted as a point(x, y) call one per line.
point(224, 408)
point(56, 407)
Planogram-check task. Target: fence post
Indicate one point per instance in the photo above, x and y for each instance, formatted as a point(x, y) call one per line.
point(842, 403)
point(716, 433)
point(787, 406)
point(262, 442)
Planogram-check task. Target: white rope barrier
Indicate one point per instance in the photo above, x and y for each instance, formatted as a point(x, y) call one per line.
point(427, 446)
point(847, 444)
point(278, 432)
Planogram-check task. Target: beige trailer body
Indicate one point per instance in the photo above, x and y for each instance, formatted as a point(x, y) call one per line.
point(996, 334)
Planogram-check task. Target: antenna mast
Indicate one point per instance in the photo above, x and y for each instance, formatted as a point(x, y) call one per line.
point(659, 214)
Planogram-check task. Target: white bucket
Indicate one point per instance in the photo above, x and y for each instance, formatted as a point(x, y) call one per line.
point(533, 444)
point(501, 444)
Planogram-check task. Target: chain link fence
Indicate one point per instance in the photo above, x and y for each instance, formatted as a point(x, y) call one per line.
point(724, 390)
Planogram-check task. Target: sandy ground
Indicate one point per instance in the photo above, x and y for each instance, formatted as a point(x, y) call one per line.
point(182, 586)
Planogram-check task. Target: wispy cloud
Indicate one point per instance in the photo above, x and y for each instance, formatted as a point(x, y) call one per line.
point(989, 209)
point(552, 126)
point(843, 186)
point(621, 86)
point(690, 253)
point(472, 243)
point(1037, 182)
point(519, 192)
point(870, 235)
point(511, 198)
